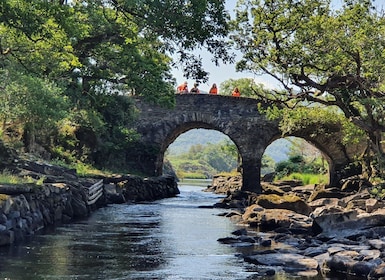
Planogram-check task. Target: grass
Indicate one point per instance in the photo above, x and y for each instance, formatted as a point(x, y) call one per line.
point(191, 175)
point(307, 178)
point(233, 173)
point(4, 197)
point(82, 169)
point(6, 177)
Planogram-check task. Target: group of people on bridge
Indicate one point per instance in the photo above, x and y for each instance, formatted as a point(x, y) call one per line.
point(183, 89)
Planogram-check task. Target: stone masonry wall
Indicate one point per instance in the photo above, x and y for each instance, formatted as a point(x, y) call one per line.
point(27, 209)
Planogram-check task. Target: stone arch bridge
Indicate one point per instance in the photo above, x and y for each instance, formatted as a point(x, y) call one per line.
point(240, 120)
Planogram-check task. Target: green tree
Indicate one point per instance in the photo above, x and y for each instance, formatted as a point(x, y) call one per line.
point(310, 154)
point(207, 159)
point(221, 157)
point(31, 102)
point(268, 164)
point(246, 86)
point(320, 55)
point(113, 45)
point(90, 49)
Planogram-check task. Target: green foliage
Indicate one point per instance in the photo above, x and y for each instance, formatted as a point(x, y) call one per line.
point(268, 164)
point(193, 137)
point(378, 191)
point(6, 177)
point(246, 86)
point(320, 55)
point(33, 104)
point(69, 68)
point(299, 163)
point(86, 170)
point(352, 134)
point(112, 45)
point(30, 99)
point(211, 159)
point(82, 169)
point(207, 159)
point(192, 168)
point(192, 175)
point(304, 117)
point(319, 119)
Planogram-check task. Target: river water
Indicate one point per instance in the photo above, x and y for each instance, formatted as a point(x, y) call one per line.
point(168, 239)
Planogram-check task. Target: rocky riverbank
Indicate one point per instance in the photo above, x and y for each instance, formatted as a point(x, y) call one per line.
point(308, 230)
point(60, 196)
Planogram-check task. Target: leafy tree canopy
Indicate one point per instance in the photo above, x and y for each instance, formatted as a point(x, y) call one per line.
point(246, 86)
point(66, 64)
point(333, 57)
point(113, 45)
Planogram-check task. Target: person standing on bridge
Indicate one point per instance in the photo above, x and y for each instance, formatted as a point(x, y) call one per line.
point(195, 89)
point(183, 88)
point(236, 92)
point(213, 90)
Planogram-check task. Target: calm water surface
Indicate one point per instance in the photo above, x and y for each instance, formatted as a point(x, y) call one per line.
point(166, 239)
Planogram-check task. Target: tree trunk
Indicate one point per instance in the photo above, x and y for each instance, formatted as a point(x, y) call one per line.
point(29, 137)
point(373, 159)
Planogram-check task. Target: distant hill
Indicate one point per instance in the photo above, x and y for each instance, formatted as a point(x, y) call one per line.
point(194, 137)
point(278, 150)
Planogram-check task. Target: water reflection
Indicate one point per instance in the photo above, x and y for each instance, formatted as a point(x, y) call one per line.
point(112, 242)
point(167, 239)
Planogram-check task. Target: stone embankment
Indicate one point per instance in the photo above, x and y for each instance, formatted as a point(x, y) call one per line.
point(310, 230)
point(62, 197)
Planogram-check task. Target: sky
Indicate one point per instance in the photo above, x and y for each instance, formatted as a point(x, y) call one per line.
point(225, 72)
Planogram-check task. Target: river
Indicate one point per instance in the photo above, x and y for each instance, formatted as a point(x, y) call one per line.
point(167, 239)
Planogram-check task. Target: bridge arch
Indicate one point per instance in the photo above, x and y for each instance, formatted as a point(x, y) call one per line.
point(241, 121)
point(328, 139)
point(188, 128)
point(179, 130)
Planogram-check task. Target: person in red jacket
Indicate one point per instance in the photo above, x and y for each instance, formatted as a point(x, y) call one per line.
point(213, 89)
point(182, 88)
point(236, 92)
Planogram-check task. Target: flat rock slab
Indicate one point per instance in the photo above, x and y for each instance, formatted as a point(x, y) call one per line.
point(15, 189)
point(293, 262)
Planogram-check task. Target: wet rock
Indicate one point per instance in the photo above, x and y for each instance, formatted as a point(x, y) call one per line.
point(346, 233)
point(289, 262)
point(238, 232)
point(265, 242)
point(377, 272)
point(315, 251)
point(370, 254)
point(228, 240)
point(233, 214)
